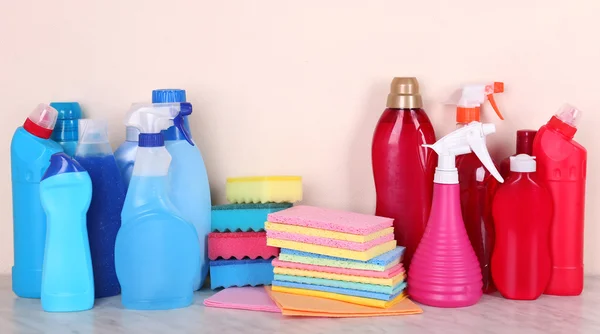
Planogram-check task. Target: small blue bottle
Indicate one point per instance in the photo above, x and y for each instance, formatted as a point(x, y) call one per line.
point(67, 278)
point(94, 153)
point(30, 152)
point(190, 191)
point(66, 131)
point(157, 251)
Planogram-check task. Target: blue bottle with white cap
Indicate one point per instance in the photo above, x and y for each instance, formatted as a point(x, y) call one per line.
point(66, 130)
point(67, 278)
point(190, 191)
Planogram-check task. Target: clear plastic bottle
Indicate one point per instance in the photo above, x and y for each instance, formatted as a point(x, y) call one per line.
point(94, 153)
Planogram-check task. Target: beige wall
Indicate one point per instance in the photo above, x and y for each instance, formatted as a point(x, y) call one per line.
point(296, 87)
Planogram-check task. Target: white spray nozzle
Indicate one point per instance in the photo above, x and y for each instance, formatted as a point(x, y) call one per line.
point(152, 118)
point(470, 138)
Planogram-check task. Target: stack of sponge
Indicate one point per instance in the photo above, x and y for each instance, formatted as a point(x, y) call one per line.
point(337, 255)
point(237, 247)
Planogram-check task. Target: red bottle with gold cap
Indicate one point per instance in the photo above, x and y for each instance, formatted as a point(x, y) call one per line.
point(477, 185)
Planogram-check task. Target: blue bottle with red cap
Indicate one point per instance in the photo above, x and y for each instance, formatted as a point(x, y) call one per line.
point(30, 152)
point(157, 250)
point(190, 191)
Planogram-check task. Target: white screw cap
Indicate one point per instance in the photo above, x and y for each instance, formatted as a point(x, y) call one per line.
point(522, 163)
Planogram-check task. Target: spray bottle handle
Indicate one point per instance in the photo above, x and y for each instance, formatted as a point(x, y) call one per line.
point(186, 110)
point(476, 142)
point(496, 87)
point(495, 106)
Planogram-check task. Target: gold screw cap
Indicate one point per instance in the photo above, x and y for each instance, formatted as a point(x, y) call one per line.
point(404, 94)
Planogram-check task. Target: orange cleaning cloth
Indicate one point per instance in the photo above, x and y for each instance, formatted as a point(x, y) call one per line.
point(298, 305)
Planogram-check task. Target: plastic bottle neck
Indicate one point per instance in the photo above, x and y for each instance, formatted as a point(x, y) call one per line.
point(151, 161)
point(562, 127)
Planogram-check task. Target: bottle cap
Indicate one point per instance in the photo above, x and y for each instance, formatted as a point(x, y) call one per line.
point(522, 163)
point(525, 141)
point(472, 97)
point(404, 94)
point(172, 96)
point(41, 121)
point(66, 128)
point(93, 138)
point(565, 120)
point(62, 163)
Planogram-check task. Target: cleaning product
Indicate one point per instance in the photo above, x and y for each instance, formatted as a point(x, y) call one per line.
point(189, 188)
point(524, 146)
point(125, 154)
point(156, 252)
point(67, 277)
point(338, 294)
point(228, 273)
point(381, 263)
point(30, 152)
point(94, 153)
point(66, 131)
point(243, 217)
point(402, 168)
point(561, 165)
point(477, 186)
point(264, 189)
point(522, 212)
point(445, 271)
point(239, 245)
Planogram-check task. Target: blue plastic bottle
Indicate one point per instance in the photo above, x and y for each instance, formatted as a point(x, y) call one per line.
point(66, 131)
point(157, 251)
point(104, 216)
point(125, 154)
point(190, 191)
point(30, 152)
point(67, 278)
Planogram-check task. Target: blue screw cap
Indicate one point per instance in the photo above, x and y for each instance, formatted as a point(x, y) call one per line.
point(61, 163)
point(173, 96)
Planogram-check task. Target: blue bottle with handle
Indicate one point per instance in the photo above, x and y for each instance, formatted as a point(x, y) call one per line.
point(30, 152)
point(67, 277)
point(190, 191)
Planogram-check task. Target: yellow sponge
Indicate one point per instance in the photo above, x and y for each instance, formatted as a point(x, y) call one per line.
point(344, 298)
point(335, 252)
point(264, 189)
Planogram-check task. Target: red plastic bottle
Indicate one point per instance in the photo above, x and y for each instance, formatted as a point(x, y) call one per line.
point(523, 211)
point(524, 146)
point(562, 167)
point(402, 168)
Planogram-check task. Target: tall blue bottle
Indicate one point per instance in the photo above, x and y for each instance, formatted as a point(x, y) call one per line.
point(30, 152)
point(157, 251)
point(66, 131)
point(94, 153)
point(190, 191)
point(67, 278)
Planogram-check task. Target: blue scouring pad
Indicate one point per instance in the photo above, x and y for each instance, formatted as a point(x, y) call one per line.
point(243, 217)
point(342, 291)
point(228, 273)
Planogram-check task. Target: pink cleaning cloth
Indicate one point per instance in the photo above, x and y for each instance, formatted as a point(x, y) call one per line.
point(341, 244)
point(393, 271)
point(245, 298)
point(333, 220)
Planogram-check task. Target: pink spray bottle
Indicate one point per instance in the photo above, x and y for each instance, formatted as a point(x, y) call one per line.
point(445, 271)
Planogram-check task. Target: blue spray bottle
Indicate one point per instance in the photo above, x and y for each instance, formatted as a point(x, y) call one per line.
point(190, 191)
point(66, 131)
point(157, 251)
point(30, 152)
point(94, 153)
point(67, 278)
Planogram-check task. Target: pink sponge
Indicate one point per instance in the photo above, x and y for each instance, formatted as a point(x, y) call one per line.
point(239, 245)
point(332, 220)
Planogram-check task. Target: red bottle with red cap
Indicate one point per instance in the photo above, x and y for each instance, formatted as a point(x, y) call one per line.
point(30, 152)
point(562, 164)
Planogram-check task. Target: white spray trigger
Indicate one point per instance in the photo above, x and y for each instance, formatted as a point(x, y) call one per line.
point(477, 143)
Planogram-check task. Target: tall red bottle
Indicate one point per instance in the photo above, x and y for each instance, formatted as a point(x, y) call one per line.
point(477, 185)
point(523, 211)
point(562, 167)
point(524, 146)
point(402, 168)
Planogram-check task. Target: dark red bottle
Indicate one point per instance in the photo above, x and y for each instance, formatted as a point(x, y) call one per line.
point(522, 210)
point(402, 168)
point(524, 146)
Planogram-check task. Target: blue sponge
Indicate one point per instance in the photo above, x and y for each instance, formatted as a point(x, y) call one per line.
point(381, 260)
point(388, 290)
point(341, 291)
point(243, 217)
point(228, 273)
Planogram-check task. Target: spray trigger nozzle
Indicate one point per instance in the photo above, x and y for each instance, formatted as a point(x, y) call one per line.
point(186, 110)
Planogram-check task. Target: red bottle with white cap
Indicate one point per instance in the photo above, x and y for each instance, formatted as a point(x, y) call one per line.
point(522, 211)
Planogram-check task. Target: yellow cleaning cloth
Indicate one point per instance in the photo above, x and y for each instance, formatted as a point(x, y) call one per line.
point(343, 298)
point(337, 252)
point(392, 281)
point(316, 232)
point(264, 189)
